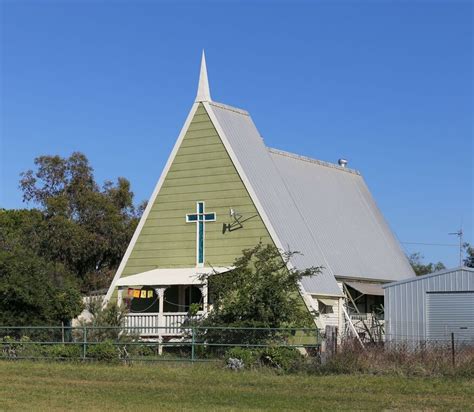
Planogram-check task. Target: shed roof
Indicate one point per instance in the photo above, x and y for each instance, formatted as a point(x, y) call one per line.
point(430, 275)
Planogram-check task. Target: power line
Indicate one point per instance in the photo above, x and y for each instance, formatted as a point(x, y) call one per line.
point(430, 244)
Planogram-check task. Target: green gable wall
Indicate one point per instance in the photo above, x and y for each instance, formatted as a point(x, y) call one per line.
point(201, 171)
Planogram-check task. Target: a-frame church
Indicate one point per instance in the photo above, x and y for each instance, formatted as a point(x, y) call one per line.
point(223, 190)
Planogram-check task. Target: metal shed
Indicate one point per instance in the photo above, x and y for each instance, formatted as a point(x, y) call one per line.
point(431, 307)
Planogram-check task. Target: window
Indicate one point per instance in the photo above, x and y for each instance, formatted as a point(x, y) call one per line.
point(325, 308)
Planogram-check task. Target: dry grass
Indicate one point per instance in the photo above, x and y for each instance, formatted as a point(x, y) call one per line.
point(402, 360)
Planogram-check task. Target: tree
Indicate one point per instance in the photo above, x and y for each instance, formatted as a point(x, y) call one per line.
point(83, 226)
point(420, 269)
point(34, 291)
point(259, 292)
point(469, 259)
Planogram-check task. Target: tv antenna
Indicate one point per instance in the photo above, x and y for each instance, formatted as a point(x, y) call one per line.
point(459, 234)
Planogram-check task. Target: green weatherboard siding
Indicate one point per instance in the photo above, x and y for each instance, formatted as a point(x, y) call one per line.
point(201, 171)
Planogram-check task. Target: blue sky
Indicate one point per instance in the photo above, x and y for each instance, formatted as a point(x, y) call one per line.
point(388, 85)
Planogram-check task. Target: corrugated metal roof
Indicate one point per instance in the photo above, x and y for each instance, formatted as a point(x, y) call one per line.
point(367, 288)
point(342, 215)
point(430, 275)
point(321, 210)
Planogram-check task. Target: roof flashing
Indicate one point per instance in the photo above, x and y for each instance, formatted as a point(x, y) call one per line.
point(311, 160)
point(230, 108)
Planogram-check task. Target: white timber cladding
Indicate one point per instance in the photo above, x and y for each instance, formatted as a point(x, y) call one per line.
point(406, 302)
point(331, 317)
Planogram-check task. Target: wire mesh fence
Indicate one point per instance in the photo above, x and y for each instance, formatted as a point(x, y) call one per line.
point(189, 343)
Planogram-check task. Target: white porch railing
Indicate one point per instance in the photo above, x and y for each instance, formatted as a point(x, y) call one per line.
point(147, 324)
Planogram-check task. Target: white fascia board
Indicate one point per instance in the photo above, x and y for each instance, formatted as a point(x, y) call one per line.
point(149, 206)
point(306, 297)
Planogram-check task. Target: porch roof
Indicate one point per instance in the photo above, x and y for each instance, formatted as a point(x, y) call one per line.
point(367, 288)
point(169, 277)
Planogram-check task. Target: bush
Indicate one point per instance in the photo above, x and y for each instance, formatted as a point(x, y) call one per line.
point(104, 351)
point(250, 357)
point(65, 351)
point(281, 358)
point(278, 357)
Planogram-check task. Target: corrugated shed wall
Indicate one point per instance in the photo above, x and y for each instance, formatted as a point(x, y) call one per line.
point(405, 302)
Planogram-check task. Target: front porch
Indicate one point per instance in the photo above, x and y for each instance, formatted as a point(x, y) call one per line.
point(161, 311)
point(161, 301)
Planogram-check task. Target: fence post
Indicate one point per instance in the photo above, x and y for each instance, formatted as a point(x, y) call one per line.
point(84, 343)
point(453, 352)
point(192, 343)
point(62, 331)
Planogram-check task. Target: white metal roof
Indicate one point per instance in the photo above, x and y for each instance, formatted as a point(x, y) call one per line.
point(344, 219)
point(322, 210)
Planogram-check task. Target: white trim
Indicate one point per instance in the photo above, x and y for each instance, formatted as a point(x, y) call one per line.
point(203, 93)
point(149, 206)
point(208, 106)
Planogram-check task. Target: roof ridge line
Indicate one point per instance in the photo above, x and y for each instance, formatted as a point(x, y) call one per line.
point(230, 108)
point(311, 160)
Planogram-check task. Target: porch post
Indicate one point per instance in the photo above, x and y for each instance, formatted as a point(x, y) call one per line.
point(205, 299)
point(119, 297)
point(161, 295)
point(339, 316)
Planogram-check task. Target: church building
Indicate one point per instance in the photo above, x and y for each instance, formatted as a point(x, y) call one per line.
point(223, 190)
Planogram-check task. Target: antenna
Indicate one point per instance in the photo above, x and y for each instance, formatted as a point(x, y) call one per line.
point(460, 234)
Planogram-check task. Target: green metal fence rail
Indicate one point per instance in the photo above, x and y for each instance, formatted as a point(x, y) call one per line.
point(187, 343)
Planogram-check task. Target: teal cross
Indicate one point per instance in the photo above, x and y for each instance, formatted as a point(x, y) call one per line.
point(200, 217)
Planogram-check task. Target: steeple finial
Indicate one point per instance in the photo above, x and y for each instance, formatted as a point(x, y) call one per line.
point(203, 93)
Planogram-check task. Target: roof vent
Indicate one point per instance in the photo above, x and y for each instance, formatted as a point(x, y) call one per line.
point(342, 162)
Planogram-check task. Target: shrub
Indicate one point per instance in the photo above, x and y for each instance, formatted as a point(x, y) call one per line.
point(65, 351)
point(250, 357)
point(278, 357)
point(104, 351)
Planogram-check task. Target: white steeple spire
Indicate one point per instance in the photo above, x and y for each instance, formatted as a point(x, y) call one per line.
point(203, 93)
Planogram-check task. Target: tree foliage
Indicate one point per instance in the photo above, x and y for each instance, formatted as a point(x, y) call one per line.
point(73, 240)
point(260, 291)
point(469, 259)
point(420, 268)
point(83, 226)
point(34, 291)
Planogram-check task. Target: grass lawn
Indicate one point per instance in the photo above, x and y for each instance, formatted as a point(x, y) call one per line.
point(68, 386)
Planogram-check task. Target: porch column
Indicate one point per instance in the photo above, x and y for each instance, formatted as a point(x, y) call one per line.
point(205, 299)
point(161, 295)
point(119, 297)
point(340, 302)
